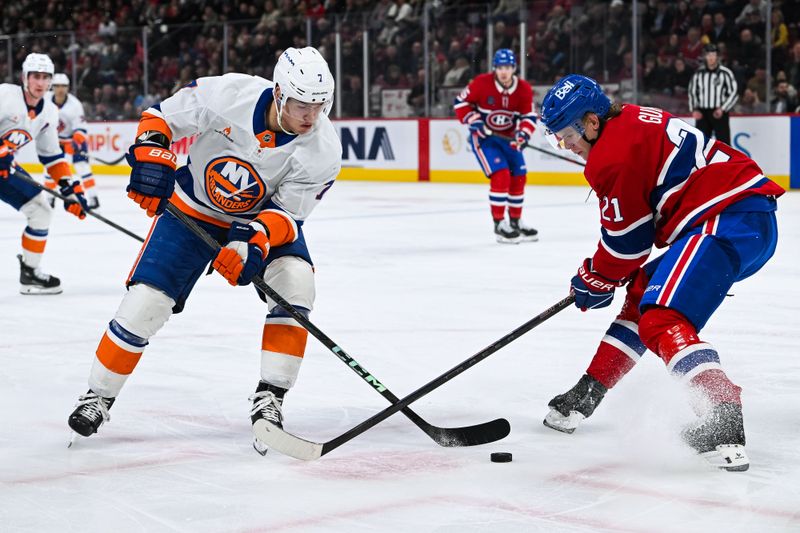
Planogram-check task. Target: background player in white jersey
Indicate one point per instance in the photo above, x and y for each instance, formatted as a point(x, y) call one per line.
point(265, 155)
point(25, 116)
point(72, 134)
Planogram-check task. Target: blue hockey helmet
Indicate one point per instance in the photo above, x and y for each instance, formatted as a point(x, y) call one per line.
point(504, 57)
point(569, 100)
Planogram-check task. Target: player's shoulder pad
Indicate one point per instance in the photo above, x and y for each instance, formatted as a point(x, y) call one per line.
point(320, 154)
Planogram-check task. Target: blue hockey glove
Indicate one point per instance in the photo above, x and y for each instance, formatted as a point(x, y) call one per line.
point(245, 255)
point(592, 290)
point(74, 199)
point(476, 124)
point(521, 139)
point(152, 179)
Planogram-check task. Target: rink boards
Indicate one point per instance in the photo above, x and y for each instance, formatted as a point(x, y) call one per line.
point(438, 150)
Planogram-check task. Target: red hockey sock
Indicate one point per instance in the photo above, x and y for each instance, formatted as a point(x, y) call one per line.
point(498, 193)
point(516, 195)
point(669, 334)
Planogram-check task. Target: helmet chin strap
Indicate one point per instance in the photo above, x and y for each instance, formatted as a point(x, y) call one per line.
point(279, 108)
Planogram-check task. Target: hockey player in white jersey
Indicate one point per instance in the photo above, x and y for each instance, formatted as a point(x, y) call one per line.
point(25, 116)
point(264, 156)
point(72, 134)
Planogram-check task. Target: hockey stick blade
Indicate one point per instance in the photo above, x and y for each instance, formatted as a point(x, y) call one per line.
point(276, 438)
point(449, 437)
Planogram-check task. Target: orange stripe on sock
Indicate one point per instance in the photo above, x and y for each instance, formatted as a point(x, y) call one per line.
point(116, 359)
point(281, 338)
point(31, 245)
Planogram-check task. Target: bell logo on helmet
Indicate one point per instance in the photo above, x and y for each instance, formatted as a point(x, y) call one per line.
point(564, 90)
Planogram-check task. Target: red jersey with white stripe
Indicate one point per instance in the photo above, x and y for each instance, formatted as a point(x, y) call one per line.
point(502, 110)
point(656, 177)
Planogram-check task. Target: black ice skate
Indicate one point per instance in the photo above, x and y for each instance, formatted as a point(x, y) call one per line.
point(90, 413)
point(527, 233)
point(34, 281)
point(719, 438)
point(93, 202)
point(569, 409)
point(267, 405)
point(505, 233)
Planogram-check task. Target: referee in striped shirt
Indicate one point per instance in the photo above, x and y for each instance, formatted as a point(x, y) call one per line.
point(712, 94)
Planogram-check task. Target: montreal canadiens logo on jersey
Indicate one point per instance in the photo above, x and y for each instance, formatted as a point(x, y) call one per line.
point(233, 185)
point(16, 138)
point(500, 119)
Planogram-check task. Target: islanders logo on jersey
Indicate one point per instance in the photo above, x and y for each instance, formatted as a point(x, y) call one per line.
point(233, 185)
point(16, 138)
point(500, 120)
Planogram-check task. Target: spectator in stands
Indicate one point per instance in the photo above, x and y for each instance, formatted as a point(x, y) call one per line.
point(659, 22)
point(780, 39)
point(754, 8)
point(749, 104)
point(655, 76)
point(793, 67)
point(722, 31)
point(750, 52)
point(692, 48)
point(785, 99)
point(681, 76)
point(459, 74)
point(758, 83)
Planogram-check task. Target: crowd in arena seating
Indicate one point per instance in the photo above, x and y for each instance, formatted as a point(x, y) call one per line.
point(107, 39)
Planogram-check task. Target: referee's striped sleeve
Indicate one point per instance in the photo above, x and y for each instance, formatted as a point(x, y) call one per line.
point(732, 87)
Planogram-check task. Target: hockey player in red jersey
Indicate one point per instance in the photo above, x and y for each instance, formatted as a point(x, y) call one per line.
point(660, 181)
point(500, 102)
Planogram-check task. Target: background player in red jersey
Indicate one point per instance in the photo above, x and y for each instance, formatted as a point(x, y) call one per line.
point(661, 182)
point(500, 102)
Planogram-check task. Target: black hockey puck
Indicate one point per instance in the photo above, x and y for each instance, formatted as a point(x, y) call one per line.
point(500, 457)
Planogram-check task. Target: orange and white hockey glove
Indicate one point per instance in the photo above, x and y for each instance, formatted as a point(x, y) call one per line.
point(152, 179)
point(245, 255)
point(6, 159)
point(74, 199)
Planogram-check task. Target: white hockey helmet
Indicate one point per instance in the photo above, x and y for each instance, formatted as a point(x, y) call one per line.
point(36, 63)
point(60, 79)
point(303, 74)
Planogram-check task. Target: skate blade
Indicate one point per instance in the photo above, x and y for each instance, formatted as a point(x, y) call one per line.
point(506, 240)
point(260, 447)
point(532, 238)
point(73, 438)
point(564, 424)
point(730, 457)
point(35, 291)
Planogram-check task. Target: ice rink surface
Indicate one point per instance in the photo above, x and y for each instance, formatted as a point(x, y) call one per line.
point(410, 282)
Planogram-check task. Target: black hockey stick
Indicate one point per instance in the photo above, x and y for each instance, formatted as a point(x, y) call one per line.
point(458, 436)
point(286, 443)
point(543, 150)
point(109, 163)
point(101, 218)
